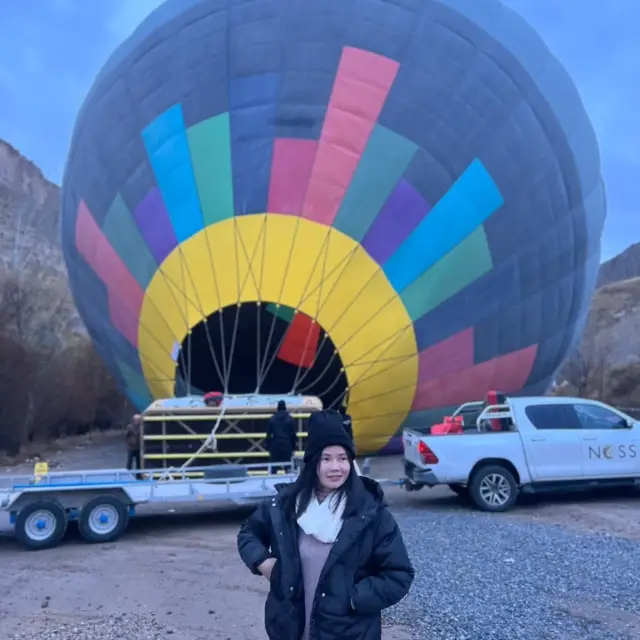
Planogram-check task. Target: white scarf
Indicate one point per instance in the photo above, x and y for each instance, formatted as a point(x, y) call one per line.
point(320, 521)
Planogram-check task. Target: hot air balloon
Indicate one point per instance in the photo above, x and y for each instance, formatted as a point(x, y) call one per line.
point(395, 206)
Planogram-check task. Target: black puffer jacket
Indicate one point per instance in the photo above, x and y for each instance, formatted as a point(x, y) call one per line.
point(281, 433)
point(368, 566)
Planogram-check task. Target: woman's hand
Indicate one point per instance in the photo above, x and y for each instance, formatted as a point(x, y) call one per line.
point(266, 567)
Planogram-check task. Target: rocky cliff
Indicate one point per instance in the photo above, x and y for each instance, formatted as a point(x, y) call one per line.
point(28, 214)
point(614, 321)
point(606, 363)
point(34, 290)
point(623, 266)
point(614, 316)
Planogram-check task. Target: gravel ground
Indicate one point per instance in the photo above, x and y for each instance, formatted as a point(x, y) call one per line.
point(545, 571)
point(119, 627)
point(479, 577)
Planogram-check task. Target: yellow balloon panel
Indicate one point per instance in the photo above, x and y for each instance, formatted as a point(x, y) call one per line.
point(165, 310)
point(159, 385)
point(301, 264)
point(199, 280)
point(402, 343)
point(384, 388)
point(186, 300)
point(372, 431)
point(249, 248)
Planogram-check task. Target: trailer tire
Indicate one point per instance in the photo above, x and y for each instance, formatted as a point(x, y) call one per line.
point(493, 488)
point(41, 525)
point(103, 519)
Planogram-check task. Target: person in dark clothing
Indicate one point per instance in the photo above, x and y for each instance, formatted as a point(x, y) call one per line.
point(346, 421)
point(281, 436)
point(132, 438)
point(331, 550)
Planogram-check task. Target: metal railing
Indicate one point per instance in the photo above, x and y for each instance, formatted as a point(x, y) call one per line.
point(125, 476)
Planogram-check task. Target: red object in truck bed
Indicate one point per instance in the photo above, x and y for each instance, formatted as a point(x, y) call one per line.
point(450, 425)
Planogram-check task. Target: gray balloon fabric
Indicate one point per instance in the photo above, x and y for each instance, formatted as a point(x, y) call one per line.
point(437, 143)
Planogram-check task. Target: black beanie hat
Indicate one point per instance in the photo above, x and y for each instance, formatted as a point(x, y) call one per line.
point(325, 430)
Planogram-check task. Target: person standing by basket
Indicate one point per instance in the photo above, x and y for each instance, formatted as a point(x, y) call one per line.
point(280, 441)
point(132, 439)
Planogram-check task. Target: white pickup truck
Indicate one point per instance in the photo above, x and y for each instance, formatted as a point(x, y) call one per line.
point(526, 445)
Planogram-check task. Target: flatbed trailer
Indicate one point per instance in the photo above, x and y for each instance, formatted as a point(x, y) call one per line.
point(102, 502)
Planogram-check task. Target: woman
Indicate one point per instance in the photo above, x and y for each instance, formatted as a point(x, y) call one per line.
point(332, 552)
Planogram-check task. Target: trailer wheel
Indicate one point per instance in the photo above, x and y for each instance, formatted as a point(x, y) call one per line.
point(41, 525)
point(103, 519)
point(493, 488)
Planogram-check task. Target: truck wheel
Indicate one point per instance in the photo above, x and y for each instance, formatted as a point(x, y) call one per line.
point(103, 519)
point(493, 488)
point(41, 525)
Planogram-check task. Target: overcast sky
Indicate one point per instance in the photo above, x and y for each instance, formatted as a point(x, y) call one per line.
point(50, 51)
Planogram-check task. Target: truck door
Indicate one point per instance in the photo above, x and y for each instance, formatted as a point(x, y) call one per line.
point(610, 448)
point(552, 442)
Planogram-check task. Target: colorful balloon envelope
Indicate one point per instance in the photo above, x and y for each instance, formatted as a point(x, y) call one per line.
point(395, 206)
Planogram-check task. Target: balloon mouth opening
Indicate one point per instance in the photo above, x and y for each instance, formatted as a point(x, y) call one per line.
point(261, 348)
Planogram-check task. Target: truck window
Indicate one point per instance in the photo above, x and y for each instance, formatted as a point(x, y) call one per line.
point(592, 416)
point(552, 416)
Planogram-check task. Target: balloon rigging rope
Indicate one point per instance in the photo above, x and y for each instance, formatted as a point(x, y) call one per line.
point(344, 263)
point(250, 270)
point(185, 315)
point(382, 394)
point(189, 360)
point(180, 359)
point(258, 336)
point(153, 337)
point(360, 361)
point(263, 373)
point(262, 370)
point(200, 308)
point(302, 297)
point(339, 319)
point(171, 285)
point(212, 350)
point(152, 334)
point(227, 374)
point(364, 377)
point(327, 332)
point(223, 342)
point(186, 370)
point(305, 295)
point(239, 243)
point(259, 305)
point(261, 357)
point(326, 245)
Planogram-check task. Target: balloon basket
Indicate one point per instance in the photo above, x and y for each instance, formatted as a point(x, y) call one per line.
point(180, 433)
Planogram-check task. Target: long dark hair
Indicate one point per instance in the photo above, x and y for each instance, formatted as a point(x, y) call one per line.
point(303, 489)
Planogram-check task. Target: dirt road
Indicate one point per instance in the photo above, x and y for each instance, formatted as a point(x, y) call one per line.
point(182, 569)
